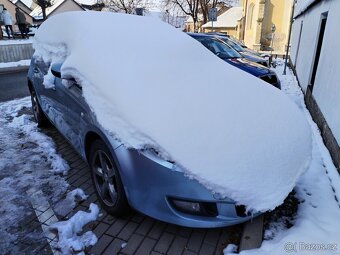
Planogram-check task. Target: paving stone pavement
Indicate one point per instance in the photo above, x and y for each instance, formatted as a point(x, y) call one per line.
point(136, 233)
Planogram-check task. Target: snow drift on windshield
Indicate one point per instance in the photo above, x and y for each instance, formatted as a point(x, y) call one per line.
point(153, 86)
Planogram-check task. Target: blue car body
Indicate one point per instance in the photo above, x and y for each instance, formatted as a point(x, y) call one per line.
point(153, 186)
point(232, 57)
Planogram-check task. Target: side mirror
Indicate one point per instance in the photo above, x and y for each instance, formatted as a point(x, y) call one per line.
point(55, 70)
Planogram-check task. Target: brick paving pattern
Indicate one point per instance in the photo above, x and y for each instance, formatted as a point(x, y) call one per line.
point(136, 233)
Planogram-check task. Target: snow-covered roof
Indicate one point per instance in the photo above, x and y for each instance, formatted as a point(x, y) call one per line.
point(23, 2)
point(26, 2)
point(228, 18)
point(302, 5)
point(37, 12)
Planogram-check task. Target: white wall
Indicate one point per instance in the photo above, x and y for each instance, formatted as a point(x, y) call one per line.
point(326, 90)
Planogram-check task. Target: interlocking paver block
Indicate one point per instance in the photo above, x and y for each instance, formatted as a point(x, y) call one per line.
point(101, 245)
point(138, 218)
point(212, 236)
point(127, 231)
point(187, 252)
point(145, 226)
point(100, 229)
point(178, 246)
point(195, 241)
point(146, 246)
point(132, 244)
point(184, 232)
point(164, 242)
point(157, 230)
point(116, 227)
point(171, 228)
point(207, 249)
point(114, 247)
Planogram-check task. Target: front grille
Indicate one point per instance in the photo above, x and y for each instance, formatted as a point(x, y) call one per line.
point(272, 79)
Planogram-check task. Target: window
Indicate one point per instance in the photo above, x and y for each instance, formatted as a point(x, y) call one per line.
point(318, 49)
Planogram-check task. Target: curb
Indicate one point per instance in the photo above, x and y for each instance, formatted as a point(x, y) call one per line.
point(252, 234)
point(13, 69)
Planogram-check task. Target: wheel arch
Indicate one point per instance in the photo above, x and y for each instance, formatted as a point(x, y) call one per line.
point(90, 137)
point(29, 85)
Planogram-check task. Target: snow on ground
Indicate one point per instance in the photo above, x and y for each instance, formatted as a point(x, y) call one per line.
point(224, 130)
point(28, 161)
point(317, 225)
point(25, 62)
point(69, 239)
point(66, 205)
point(31, 176)
point(17, 41)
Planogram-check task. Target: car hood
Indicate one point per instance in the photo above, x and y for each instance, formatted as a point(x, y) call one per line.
point(249, 66)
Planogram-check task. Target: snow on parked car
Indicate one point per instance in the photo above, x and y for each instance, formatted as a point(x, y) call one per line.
point(152, 86)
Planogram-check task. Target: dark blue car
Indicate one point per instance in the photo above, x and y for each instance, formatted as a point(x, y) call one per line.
point(221, 49)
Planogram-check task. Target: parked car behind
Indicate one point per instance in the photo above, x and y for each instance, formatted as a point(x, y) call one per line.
point(247, 54)
point(219, 47)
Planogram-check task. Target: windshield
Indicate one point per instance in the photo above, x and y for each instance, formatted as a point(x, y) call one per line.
point(233, 44)
point(217, 47)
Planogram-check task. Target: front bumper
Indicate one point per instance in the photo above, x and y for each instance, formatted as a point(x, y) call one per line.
point(151, 182)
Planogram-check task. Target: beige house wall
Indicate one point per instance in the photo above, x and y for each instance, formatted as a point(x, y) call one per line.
point(277, 12)
point(232, 31)
point(11, 8)
point(265, 14)
point(189, 26)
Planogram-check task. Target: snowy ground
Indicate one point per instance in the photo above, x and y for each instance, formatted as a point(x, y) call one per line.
point(31, 176)
point(25, 62)
point(16, 41)
point(316, 227)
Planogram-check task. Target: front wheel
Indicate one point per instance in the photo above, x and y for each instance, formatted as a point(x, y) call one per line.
point(106, 180)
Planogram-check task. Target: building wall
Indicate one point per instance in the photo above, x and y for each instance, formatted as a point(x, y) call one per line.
point(66, 6)
point(265, 14)
point(326, 91)
point(277, 12)
point(11, 8)
point(250, 32)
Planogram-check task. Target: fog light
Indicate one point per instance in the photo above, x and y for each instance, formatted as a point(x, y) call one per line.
point(193, 207)
point(190, 207)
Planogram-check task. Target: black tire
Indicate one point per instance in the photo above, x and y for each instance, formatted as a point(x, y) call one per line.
point(39, 115)
point(106, 180)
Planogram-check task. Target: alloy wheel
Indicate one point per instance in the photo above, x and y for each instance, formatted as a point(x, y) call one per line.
point(104, 175)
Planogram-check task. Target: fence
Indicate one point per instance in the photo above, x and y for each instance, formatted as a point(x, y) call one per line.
point(15, 52)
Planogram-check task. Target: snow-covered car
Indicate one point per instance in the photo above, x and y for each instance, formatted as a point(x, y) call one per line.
point(194, 147)
point(126, 177)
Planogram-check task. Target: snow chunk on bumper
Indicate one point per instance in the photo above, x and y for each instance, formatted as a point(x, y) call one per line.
point(152, 85)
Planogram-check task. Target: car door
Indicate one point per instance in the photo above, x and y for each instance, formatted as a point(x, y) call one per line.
point(77, 117)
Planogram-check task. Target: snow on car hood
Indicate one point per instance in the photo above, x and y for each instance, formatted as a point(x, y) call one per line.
point(153, 86)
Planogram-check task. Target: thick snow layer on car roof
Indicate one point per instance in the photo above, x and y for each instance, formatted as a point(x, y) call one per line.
point(153, 86)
